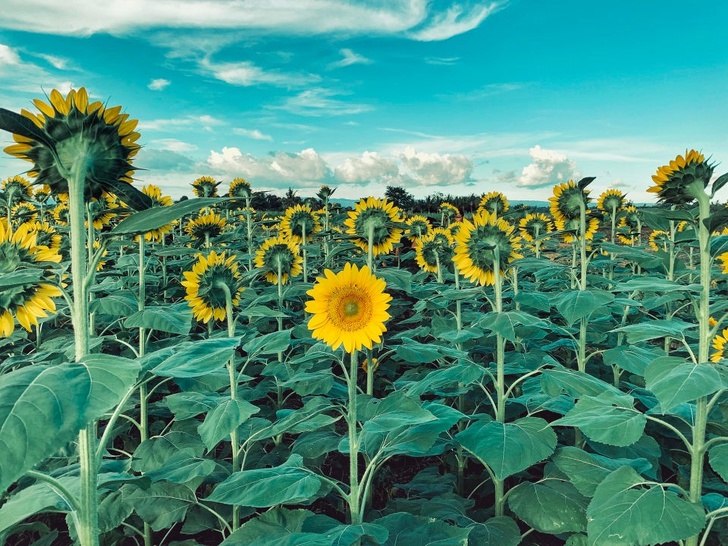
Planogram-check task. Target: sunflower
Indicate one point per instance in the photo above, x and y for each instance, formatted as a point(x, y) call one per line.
point(299, 221)
point(239, 187)
point(611, 201)
point(30, 300)
point(205, 227)
point(448, 212)
point(69, 130)
point(718, 344)
point(205, 186)
point(349, 308)
point(158, 200)
point(571, 229)
point(567, 201)
point(23, 212)
point(60, 213)
point(659, 240)
point(678, 182)
point(101, 210)
point(206, 294)
point(45, 235)
point(494, 202)
point(418, 226)
point(475, 246)
point(630, 224)
point(375, 217)
point(434, 249)
point(279, 252)
point(42, 194)
point(534, 225)
point(16, 189)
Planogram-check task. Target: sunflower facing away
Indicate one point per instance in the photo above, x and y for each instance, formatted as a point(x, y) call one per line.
point(279, 252)
point(660, 240)
point(475, 245)
point(23, 212)
point(158, 200)
point(205, 227)
point(677, 182)
point(567, 201)
point(630, 225)
point(239, 187)
point(298, 221)
point(534, 225)
point(375, 216)
point(418, 226)
point(205, 186)
point(434, 249)
point(203, 284)
point(101, 210)
point(31, 300)
point(70, 129)
point(571, 229)
point(16, 189)
point(494, 202)
point(45, 235)
point(60, 213)
point(349, 308)
point(448, 212)
point(611, 201)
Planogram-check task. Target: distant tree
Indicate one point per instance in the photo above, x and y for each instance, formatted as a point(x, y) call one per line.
point(263, 200)
point(400, 197)
point(291, 199)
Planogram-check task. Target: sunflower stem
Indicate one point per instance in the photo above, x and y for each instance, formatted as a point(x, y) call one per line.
point(370, 245)
point(354, 513)
point(303, 249)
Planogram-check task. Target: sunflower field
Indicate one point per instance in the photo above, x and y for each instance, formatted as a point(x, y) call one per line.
point(201, 373)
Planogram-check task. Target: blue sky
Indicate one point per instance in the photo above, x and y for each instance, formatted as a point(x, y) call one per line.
point(455, 97)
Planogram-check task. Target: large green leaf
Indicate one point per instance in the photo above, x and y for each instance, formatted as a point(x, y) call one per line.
point(631, 358)
point(450, 379)
point(554, 381)
point(417, 353)
point(197, 358)
point(161, 505)
point(608, 418)
point(21, 125)
point(552, 506)
point(41, 409)
point(675, 380)
point(498, 531)
point(576, 304)
point(111, 379)
point(225, 417)
point(119, 304)
point(274, 342)
point(421, 531)
point(718, 457)
point(156, 217)
point(265, 487)
point(174, 319)
point(626, 509)
point(495, 444)
point(587, 470)
point(654, 329)
point(182, 467)
point(19, 277)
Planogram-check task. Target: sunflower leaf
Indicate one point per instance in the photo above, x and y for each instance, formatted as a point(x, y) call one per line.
point(20, 125)
point(584, 182)
point(156, 217)
point(130, 195)
point(721, 181)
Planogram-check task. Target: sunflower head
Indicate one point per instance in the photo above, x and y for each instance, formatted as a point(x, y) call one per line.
point(434, 249)
point(239, 187)
point(60, 213)
point(205, 186)
point(206, 226)
point(279, 254)
point(418, 226)
point(72, 133)
point(375, 218)
point(567, 201)
point(16, 189)
point(719, 344)
point(31, 300)
point(659, 240)
point(158, 200)
point(534, 225)
point(299, 221)
point(448, 210)
point(572, 227)
point(494, 202)
point(101, 209)
point(611, 201)
point(45, 235)
point(680, 181)
point(484, 244)
point(42, 194)
point(349, 308)
point(208, 283)
point(23, 212)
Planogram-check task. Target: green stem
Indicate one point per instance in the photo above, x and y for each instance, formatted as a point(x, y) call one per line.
point(352, 418)
point(500, 342)
point(370, 246)
point(303, 252)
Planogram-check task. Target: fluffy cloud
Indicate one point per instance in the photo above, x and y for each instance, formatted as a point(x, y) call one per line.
point(255, 134)
point(548, 167)
point(281, 169)
point(246, 74)
point(429, 169)
point(8, 55)
point(158, 84)
point(369, 167)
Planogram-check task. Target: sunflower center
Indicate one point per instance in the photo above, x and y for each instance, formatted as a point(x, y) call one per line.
point(350, 309)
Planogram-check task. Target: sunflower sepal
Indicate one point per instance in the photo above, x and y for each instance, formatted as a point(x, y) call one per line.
point(584, 182)
point(15, 123)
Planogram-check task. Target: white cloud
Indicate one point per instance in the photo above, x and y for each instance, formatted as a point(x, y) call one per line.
point(255, 134)
point(246, 73)
point(158, 84)
point(548, 167)
point(368, 167)
point(318, 101)
point(349, 59)
point(429, 169)
point(204, 122)
point(171, 144)
point(455, 20)
point(8, 55)
point(442, 60)
point(58, 63)
point(418, 19)
point(305, 168)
